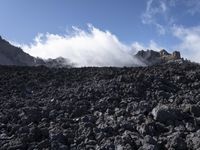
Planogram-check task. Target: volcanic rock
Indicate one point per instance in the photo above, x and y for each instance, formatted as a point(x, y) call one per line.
point(151, 57)
point(154, 107)
point(165, 114)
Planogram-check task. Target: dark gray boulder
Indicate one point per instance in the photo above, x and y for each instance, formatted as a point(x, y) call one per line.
point(166, 114)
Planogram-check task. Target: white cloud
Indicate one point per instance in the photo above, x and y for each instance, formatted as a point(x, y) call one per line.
point(172, 3)
point(193, 6)
point(137, 46)
point(190, 45)
point(160, 28)
point(93, 47)
point(152, 46)
point(154, 10)
point(84, 48)
point(159, 13)
point(163, 6)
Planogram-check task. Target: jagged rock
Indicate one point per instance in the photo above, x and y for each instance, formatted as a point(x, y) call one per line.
point(148, 57)
point(32, 114)
point(195, 110)
point(176, 141)
point(193, 140)
point(150, 140)
point(100, 108)
point(151, 57)
point(148, 147)
point(176, 55)
point(164, 114)
point(43, 144)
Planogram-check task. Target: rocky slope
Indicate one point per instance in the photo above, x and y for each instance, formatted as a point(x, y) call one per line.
point(15, 56)
point(149, 108)
point(11, 55)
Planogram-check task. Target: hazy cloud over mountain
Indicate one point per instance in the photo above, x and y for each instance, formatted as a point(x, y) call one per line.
point(115, 36)
point(93, 47)
point(189, 44)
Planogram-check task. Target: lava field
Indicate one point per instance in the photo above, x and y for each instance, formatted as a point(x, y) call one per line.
point(145, 108)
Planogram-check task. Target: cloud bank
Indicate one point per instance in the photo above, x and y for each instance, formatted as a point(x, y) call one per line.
point(189, 45)
point(152, 46)
point(92, 47)
point(83, 48)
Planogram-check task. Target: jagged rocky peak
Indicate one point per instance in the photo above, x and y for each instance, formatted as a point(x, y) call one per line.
point(151, 57)
point(163, 52)
point(176, 55)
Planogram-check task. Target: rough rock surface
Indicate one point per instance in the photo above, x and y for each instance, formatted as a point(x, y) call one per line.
point(11, 55)
point(151, 57)
point(149, 108)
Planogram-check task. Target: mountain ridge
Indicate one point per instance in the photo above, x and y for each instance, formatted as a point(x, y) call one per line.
point(12, 55)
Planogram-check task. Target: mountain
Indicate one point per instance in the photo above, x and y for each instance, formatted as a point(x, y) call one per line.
point(151, 57)
point(12, 55)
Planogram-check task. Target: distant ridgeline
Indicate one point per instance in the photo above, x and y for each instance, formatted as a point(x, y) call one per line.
point(11, 55)
point(151, 57)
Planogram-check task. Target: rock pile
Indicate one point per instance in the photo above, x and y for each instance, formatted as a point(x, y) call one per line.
point(149, 108)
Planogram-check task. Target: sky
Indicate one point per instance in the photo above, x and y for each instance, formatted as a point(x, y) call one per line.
point(81, 29)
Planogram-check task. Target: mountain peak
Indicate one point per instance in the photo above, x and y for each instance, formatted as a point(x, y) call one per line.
point(163, 52)
point(151, 57)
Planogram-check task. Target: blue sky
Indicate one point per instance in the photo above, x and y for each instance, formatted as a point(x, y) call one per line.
point(170, 24)
point(22, 19)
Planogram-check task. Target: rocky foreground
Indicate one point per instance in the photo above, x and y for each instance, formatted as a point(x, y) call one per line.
point(150, 108)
